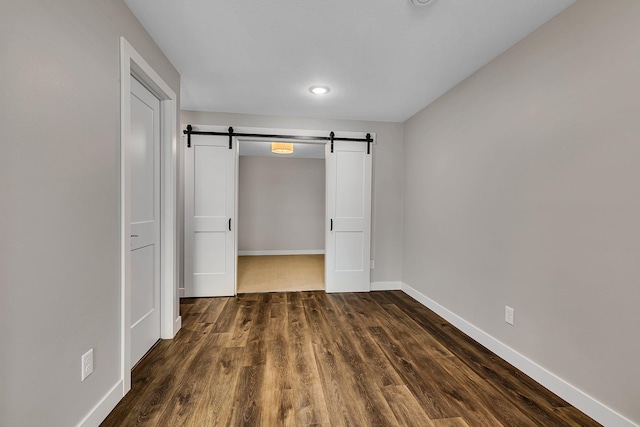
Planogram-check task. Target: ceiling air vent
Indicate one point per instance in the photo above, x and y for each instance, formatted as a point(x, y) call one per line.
point(422, 2)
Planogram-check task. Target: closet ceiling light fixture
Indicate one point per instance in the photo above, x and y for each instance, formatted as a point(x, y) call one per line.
point(422, 2)
point(281, 148)
point(319, 90)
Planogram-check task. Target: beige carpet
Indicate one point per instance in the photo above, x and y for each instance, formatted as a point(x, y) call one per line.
point(282, 273)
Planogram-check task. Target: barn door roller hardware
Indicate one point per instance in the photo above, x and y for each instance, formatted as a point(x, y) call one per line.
point(231, 133)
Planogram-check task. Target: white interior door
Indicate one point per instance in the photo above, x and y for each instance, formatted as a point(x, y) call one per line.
point(349, 217)
point(144, 149)
point(210, 254)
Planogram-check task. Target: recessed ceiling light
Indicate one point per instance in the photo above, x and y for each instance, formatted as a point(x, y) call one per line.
point(422, 2)
point(318, 90)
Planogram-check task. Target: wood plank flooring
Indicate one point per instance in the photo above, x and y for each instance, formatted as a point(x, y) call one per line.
point(280, 273)
point(313, 359)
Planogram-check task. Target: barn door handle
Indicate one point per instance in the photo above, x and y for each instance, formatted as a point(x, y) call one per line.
point(134, 235)
point(229, 224)
point(331, 229)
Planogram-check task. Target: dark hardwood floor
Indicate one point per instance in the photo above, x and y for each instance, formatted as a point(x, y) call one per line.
point(312, 359)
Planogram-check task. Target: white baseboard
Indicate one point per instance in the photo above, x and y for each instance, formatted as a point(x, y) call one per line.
point(386, 286)
point(177, 324)
point(104, 407)
point(284, 252)
point(587, 404)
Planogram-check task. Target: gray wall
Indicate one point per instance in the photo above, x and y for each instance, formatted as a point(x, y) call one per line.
point(386, 236)
point(60, 202)
point(521, 188)
point(281, 204)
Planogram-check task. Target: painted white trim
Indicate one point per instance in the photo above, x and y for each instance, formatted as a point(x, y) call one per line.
point(104, 407)
point(386, 286)
point(132, 63)
point(177, 325)
point(587, 404)
point(169, 280)
point(283, 252)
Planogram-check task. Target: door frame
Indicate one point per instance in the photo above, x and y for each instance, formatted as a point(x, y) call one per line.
point(263, 130)
point(132, 64)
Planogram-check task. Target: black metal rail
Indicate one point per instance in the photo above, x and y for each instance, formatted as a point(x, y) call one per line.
point(231, 133)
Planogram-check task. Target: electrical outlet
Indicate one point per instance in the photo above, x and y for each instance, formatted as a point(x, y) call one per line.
point(373, 264)
point(508, 314)
point(87, 364)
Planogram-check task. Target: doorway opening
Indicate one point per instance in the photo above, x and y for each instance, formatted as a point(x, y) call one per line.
point(281, 217)
point(211, 204)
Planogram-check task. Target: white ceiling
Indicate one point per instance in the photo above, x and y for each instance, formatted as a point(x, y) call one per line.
point(383, 59)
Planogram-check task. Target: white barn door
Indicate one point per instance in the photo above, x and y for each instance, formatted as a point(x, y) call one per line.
point(210, 255)
point(349, 217)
